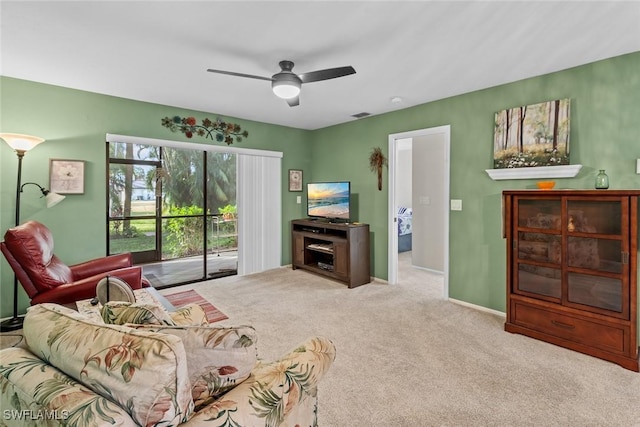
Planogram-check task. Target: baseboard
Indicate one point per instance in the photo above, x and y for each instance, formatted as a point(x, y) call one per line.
point(478, 307)
point(430, 270)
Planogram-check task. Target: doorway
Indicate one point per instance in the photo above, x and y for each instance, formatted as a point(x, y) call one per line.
point(427, 151)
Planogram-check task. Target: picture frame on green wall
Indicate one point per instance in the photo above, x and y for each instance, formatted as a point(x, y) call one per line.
point(532, 135)
point(295, 180)
point(66, 176)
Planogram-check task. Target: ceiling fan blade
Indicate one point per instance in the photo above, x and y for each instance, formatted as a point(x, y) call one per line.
point(329, 73)
point(293, 102)
point(231, 73)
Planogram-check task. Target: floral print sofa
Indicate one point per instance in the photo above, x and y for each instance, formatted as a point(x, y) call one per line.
point(75, 371)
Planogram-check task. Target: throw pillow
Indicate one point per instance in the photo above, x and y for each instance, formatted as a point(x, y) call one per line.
point(190, 315)
point(144, 372)
point(218, 358)
point(122, 312)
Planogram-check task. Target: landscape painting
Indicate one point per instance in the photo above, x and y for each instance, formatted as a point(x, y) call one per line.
point(532, 135)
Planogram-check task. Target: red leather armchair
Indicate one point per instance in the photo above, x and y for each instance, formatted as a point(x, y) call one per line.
point(29, 250)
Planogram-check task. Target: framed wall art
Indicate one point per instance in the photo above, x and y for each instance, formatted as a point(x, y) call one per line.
point(532, 135)
point(295, 180)
point(66, 176)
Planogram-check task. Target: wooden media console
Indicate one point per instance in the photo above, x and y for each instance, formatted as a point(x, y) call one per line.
point(336, 250)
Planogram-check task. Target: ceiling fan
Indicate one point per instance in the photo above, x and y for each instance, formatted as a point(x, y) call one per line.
point(286, 84)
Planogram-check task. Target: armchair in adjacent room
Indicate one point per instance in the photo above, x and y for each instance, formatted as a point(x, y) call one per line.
point(29, 250)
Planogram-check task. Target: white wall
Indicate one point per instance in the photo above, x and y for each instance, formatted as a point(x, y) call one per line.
point(404, 187)
point(429, 223)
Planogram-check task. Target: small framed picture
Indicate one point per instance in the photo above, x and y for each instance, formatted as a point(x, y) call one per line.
point(295, 180)
point(66, 176)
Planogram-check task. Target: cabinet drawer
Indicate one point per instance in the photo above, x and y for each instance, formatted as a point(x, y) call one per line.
point(610, 338)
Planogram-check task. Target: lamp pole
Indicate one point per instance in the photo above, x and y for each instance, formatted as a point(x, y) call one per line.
point(21, 144)
point(20, 154)
point(15, 322)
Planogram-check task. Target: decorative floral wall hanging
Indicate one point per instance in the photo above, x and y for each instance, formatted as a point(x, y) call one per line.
point(217, 130)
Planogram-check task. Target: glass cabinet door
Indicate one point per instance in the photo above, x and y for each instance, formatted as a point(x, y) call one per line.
point(538, 248)
point(573, 251)
point(597, 254)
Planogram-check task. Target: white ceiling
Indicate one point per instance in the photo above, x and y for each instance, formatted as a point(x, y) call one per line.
point(420, 51)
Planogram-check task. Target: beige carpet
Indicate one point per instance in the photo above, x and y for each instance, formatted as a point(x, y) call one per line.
point(406, 357)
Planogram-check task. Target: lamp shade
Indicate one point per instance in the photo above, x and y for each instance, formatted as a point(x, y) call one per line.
point(53, 199)
point(20, 142)
point(286, 85)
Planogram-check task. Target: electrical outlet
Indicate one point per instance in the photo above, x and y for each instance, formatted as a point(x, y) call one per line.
point(456, 204)
point(299, 199)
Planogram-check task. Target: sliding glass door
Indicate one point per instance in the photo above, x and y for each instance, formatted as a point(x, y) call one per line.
point(174, 210)
point(132, 204)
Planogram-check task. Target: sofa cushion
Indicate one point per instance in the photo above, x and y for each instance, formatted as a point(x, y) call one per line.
point(280, 393)
point(144, 372)
point(190, 315)
point(218, 358)
point(28, 382)
point(122, 312)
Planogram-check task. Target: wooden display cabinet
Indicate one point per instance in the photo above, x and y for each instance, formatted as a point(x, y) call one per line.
point(336, 250)
point(572, 270)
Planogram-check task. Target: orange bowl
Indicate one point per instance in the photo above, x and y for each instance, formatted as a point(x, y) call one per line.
point(546, 185)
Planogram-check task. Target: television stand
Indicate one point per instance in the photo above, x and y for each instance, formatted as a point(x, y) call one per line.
point(338, 221)
point(336, 250)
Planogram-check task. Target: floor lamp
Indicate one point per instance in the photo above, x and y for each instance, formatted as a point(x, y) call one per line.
point(21, 144)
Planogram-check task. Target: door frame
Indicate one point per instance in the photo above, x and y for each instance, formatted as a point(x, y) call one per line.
point(392, 271)
point(141, 256)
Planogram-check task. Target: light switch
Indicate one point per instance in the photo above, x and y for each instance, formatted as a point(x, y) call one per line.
point(456, 204)
point(638, 166)
point(299, 199)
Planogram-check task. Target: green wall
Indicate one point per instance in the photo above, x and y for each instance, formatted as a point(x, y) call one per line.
point(605, 133)
point(74, 124)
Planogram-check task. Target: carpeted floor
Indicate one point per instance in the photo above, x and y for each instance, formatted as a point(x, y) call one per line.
point(406, 357)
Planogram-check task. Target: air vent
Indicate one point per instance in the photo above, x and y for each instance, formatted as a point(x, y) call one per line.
point(361, 115)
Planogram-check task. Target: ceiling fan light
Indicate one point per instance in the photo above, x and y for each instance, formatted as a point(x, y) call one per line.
point(286, 86)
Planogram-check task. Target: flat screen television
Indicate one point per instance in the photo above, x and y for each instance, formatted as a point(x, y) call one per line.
point(331, 200)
